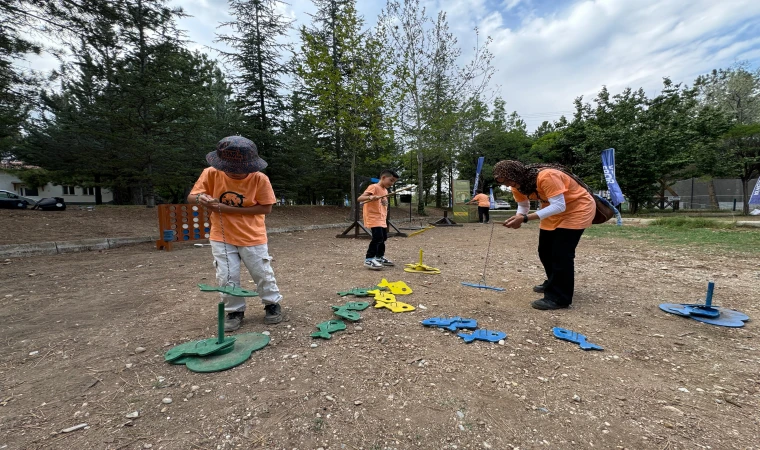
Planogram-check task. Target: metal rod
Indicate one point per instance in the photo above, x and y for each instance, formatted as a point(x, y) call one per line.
point(710, 288)
point(220, 322)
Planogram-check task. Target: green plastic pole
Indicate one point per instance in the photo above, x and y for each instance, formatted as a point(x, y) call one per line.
point(220, 322)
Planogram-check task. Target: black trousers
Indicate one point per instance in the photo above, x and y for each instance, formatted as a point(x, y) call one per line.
point(483, 211)
point(556, 249)
point(377, 244)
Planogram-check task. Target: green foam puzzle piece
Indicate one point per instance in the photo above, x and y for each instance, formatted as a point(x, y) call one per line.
point(245, 345)
point(203, 347)
point(330, 326)
point(359, 292)
point(353, 316)
point(353, 306)
point(235, 291)
point(348, 311)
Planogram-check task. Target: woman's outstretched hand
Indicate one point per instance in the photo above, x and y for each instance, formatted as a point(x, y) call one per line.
point(514, 222)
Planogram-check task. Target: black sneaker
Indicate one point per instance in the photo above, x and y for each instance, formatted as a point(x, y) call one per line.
point(541, 288)
point(385, 262)
point(233, 320)
point(544, 304)
point(373, 264)
point(272, 313)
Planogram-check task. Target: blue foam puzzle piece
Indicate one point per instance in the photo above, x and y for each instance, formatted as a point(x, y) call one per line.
point(440, 321)
point(572, 336)
point(728, 317)
point(451, 323)
point(464, 324)
point(483, 335)
point(703, 311)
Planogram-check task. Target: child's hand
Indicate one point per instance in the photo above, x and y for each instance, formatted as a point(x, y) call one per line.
point(208, 201)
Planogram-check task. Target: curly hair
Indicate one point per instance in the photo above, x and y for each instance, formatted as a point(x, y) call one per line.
point(527, 175)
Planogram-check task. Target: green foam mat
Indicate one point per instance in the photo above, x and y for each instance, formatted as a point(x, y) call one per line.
point(235, 291)
point(245, 345)
point(204, 347)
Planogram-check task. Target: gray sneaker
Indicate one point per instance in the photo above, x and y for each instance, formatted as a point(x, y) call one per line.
point(273, 313)
point(233, 320)
point(373, 264)
point(386, 262)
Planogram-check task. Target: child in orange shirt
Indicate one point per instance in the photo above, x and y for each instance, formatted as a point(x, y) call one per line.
point(238, 196)
point(375, 214)
point(484, 204)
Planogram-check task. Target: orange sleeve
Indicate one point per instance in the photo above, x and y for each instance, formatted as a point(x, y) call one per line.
point(202, 185)
point(519, 197)
point(264, 192)
point(371, 190)
point(550, 184)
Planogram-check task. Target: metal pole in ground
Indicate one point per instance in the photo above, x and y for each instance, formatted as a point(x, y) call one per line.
point(691, 202)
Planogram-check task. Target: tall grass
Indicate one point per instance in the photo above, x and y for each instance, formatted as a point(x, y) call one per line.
point(692, 223)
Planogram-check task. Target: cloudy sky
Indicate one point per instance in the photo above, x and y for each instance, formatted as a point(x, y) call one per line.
point(547, 52)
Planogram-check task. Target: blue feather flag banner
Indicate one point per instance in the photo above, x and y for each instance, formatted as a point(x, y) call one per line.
point(477, 174)
point(755, 198)
point(608, 165)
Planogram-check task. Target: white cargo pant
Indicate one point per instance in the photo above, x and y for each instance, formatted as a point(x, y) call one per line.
point(258, 262)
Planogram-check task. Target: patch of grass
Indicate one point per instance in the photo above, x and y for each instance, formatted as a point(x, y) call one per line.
point(696, 234)
point(692, 223)
point(318, 424)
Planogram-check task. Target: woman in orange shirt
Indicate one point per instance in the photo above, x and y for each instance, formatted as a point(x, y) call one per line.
point(567, 208)
point(484, 204)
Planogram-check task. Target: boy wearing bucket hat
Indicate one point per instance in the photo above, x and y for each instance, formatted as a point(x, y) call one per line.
point(238, 197)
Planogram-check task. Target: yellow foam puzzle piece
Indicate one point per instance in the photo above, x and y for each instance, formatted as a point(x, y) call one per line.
point(397, 307)
point(382, 296)
point(416, 268)
point(396, 288)
point(421, 268)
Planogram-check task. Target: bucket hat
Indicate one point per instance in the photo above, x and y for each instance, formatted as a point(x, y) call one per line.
point(236, 154)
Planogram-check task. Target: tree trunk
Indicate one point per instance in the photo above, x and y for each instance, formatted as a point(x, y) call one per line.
point(260, 73)
point(711, 194)
point(451, 186)
point(137, 196)
point(420, 174)
point(98, 193)
point(353, 185)
point(745, 196)
point(420, 198)
point(438, 185)
point(662, 196)
point(150, 198)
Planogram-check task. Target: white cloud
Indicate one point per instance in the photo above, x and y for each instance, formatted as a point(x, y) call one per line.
point(510, 4)
point(549, 60)
point(544, 59)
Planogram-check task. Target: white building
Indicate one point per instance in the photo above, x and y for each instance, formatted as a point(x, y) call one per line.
point(70, 194)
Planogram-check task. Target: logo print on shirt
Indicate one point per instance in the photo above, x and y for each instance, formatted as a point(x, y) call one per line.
point(231, 198)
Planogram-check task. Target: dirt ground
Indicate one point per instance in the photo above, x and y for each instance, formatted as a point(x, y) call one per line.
point(124, 221)
point(71, 325)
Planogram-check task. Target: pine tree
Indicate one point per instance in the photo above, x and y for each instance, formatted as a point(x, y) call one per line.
point(258, 59)
point(344, 93)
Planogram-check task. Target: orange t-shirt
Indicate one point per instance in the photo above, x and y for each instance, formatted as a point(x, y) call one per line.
point(483, 200)
point(579, 205)
point(239, 229)
point(375, 212)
